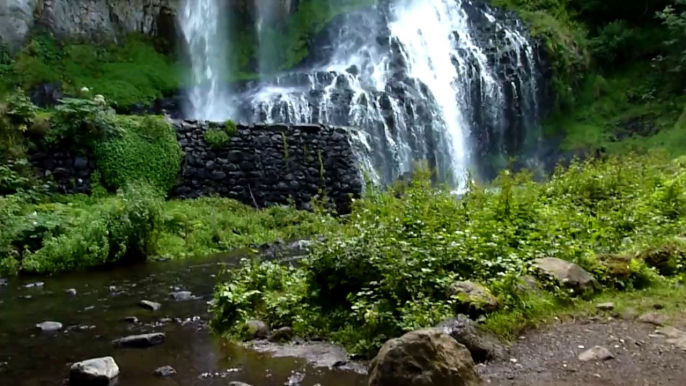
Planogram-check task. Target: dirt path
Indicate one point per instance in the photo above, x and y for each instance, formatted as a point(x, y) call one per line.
point(550, 357)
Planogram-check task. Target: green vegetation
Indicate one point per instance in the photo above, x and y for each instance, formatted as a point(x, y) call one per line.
point(216, 139)
point(126, 74)
point(388, 268)
point(146, 150)
point(58, 233)
point(610, 61)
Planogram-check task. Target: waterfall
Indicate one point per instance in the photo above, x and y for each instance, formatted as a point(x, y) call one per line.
point(206, 38)
point(451, 82)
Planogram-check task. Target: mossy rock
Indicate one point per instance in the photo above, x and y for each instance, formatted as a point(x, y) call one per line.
point(472, 298)
point(664, 259)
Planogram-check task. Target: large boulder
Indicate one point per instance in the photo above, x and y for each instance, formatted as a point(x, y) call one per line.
point(568, 274)
point(423, 358)
point(482, 345)
point(94, 372)
point(473, 298)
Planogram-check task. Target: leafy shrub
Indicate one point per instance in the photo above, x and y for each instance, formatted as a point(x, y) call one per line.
point(81, 123)
point(230, 127)
point(216, 139)
point(388, 268)
point(674, 18)
point(146, 150)
point(83, 233)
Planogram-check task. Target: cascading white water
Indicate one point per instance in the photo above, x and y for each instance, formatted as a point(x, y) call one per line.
point(425, 29)
point(439, 80)
point(206, 39)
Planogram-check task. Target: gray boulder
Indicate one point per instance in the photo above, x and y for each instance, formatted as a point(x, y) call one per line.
point(482, 345)
point(140, 341)
point(422, 358)
point(568, 274)
point(96, 372)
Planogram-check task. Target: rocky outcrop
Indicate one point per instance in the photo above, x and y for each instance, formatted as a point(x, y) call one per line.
point(424, 357)
point(16, 20)
point(94, 19)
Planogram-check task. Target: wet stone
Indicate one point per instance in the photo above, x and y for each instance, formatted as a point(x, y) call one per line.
point(3, 282)
point(70, 291)
point(140, 341)
point(35, 285)
point(182, 296)
point(165, 371)
point(98, 371)
point(153, 306)
point(131, 319)
point(49, 326)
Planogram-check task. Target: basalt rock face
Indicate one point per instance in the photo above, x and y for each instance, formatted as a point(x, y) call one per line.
point(456, 83)
point(264, 165)
point(95, 19)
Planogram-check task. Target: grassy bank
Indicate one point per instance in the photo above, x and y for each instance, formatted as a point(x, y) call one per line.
point(388, 269)
point(48, 234)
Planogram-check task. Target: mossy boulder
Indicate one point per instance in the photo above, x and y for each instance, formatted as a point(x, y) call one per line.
point(664, 259)
point(472, 298)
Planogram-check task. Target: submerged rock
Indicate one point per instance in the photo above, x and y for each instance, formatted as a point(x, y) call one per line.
point(567, 274)
point(70, 291)
point(131, 319)
point(49, 326)
point(165, 371)
point(182, 296)
point(482, 345)
point(473, 297)
point(96, 372)
point(140, 341)
point(3, 282)
point(239, 384)
point(35, 285)
point(153, 306)
point(424, 357)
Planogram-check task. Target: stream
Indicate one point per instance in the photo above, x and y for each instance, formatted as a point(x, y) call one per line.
point(96, 314)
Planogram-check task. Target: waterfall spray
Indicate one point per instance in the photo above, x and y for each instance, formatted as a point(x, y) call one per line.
point(206, 38)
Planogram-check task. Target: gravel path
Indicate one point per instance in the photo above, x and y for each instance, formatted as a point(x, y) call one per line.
point(550, 356)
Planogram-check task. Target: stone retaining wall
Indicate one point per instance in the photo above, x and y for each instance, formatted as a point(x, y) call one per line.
point(261, 165)
point(269, 164)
